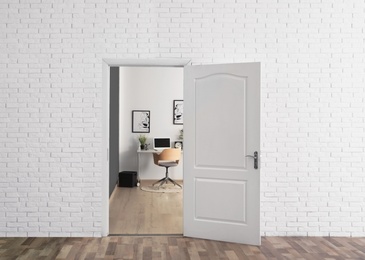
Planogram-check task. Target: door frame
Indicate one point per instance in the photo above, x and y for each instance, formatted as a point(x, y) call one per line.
point(106, 64)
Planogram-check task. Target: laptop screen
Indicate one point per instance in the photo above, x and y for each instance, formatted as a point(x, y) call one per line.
point(161, 143)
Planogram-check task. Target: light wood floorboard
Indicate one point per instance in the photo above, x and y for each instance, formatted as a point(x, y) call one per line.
point(133, 211)
point(272, 248)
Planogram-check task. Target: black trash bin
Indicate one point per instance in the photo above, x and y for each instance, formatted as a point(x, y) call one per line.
point(127, 179)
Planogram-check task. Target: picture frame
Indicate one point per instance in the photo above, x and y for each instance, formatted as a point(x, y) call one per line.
point(141, 121)
point(178, 144)
point(178, 112)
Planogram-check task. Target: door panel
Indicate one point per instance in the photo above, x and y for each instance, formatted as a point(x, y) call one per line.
point(211, 206)
point(221, 127)
point(210, 95)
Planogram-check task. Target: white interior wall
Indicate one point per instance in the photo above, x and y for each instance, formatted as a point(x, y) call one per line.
point(153, 89)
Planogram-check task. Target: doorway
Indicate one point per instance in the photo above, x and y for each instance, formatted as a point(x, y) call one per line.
point(231, 214)
point(128, 139)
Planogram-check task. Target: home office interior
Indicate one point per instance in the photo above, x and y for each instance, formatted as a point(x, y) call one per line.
point(150, 106)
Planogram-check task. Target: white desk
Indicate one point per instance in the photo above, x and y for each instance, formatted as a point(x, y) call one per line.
point(147, 170)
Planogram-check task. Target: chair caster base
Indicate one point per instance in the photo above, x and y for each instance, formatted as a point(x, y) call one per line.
point(166, 180)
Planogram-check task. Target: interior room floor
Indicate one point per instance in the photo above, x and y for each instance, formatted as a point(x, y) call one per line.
point(272, 248)
point(134, 211)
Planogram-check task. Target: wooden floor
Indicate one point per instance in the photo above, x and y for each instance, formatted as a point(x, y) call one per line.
point(159, 247)
point(133, 211)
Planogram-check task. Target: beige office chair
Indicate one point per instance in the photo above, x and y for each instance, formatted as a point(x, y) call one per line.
point(167, 158)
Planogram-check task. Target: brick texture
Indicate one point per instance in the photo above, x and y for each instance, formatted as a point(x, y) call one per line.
point(313, 114)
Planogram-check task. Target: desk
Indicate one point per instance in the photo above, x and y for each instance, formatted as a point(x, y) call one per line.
point(147, 170)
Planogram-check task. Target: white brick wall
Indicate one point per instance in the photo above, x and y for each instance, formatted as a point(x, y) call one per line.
point(313, 115)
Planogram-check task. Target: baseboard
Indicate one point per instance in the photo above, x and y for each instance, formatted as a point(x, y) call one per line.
point(112, 195)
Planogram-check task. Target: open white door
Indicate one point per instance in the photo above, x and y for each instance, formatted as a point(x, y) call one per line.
point(222, 128)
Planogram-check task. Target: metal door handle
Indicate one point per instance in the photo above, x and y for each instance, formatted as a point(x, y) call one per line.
point(255, 159)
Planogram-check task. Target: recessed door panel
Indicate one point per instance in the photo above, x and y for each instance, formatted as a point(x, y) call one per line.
point(220, 121)
point(211, 204)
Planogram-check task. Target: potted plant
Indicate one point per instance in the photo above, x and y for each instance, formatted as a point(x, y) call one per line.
point(142, 141)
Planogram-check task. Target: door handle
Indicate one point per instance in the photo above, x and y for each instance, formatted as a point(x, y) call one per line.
point(255, 159)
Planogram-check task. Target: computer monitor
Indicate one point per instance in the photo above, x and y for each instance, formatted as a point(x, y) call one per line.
point(161, 143)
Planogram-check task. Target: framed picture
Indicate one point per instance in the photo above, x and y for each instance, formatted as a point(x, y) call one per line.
point(141, 121)
point(178, 144)
point(178, 112)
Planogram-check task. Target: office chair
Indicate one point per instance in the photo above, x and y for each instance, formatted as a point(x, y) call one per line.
point(167, 158)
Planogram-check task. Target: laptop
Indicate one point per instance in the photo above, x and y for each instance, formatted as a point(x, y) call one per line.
point(160, 143)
